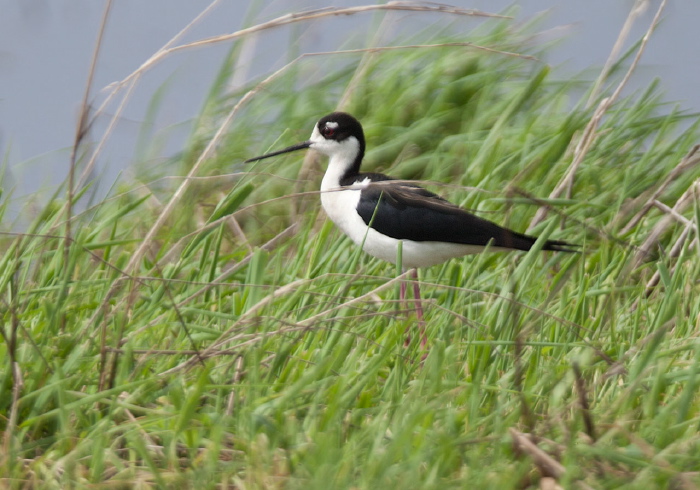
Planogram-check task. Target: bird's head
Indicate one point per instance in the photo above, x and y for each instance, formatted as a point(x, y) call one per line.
point(338, 135)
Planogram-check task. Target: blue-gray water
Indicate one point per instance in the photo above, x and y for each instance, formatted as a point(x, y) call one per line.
point(46, 47)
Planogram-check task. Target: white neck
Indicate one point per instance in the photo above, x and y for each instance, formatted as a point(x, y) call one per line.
point(342, 157)
point(338, 166)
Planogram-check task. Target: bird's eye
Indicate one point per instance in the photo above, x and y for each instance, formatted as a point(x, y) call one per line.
point(328, 132)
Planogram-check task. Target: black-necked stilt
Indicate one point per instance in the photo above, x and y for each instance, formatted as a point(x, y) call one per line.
point(378, 212)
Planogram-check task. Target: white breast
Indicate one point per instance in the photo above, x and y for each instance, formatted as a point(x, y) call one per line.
point(341, 207)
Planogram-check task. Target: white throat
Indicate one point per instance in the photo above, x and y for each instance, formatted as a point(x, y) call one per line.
point(338, 166)
point(342, 157)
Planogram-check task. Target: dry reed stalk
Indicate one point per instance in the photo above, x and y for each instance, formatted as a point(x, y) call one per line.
point(589, 134)
point(664, 223)
point(547, 465)
point(690, 160)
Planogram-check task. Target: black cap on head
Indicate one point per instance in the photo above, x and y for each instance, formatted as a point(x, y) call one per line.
point(339, 126)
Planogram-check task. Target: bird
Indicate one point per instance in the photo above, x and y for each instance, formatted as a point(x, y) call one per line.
point(379, 212)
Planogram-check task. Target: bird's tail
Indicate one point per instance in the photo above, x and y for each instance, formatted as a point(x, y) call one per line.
point(559, 246)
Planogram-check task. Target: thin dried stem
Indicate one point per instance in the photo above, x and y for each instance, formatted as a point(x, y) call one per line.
point(690, 160)
point(17, 385)
point(589, 134)
point(638, 9)
point(131, 80)
point(663, 224)
point(547, 465)
point(81, 130)
point(583, 402)
point(307, 16)
point(238, 372)
point(673, 253)
point(130, 83)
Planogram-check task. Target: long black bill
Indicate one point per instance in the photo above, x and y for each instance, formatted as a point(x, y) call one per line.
point(300, 146)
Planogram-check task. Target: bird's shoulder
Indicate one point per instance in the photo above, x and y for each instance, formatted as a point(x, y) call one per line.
point(397, 193)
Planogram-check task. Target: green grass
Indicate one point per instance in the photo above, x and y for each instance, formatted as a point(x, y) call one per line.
point(254, 346)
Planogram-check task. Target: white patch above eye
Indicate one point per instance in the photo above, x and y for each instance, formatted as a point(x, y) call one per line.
point(332, 125)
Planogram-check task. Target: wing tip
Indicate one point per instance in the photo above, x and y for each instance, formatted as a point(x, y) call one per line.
point(560, 246)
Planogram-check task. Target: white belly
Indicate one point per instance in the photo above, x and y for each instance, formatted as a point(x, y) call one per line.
point(341, 208)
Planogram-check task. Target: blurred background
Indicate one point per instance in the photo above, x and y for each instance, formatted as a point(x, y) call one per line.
point(46, 48)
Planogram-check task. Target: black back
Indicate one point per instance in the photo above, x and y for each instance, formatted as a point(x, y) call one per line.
point(408, 212)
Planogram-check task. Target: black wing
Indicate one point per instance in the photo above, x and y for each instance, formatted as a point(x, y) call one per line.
point(408, 212)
